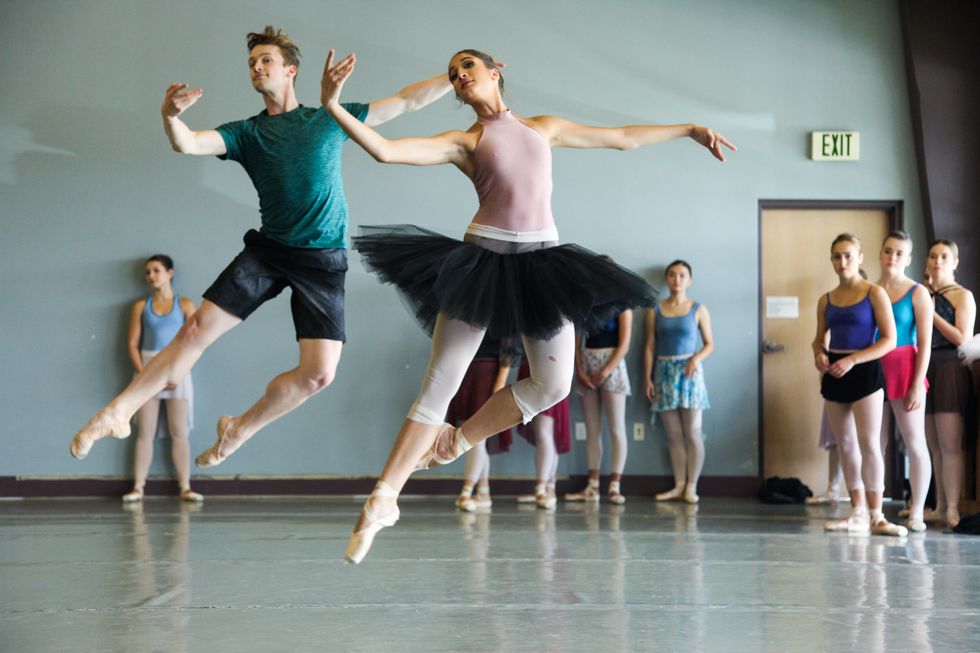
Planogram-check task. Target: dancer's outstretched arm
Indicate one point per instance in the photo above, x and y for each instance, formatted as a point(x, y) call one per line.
point(565, 133)
point(183, 139)
point(449, 147)
point(411, 98)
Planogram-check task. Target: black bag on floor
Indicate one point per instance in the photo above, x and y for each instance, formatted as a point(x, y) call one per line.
point(969, 525)
point(784, 490)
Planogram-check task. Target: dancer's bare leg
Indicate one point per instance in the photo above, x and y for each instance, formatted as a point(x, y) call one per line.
point(317, 367)
point(671, 420)
point(180, 446)
point(936, 452)
point(143, 454)
point(171, 365)
point(949, 428)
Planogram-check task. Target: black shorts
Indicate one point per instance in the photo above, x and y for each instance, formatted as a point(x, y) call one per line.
point(264, 268)
point(950, 385)
point(859, 382)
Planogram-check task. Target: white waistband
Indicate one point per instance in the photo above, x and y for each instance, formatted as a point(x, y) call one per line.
point(486, 231)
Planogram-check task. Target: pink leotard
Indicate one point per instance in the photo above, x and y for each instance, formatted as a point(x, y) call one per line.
point(512, 175)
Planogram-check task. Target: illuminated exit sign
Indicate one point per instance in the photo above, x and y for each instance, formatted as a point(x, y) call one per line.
point(835, 146)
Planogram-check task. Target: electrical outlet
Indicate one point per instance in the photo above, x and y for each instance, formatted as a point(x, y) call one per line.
point(579, 430)
point(639, 431)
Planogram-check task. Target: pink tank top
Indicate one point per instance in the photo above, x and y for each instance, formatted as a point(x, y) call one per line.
point(512, 175)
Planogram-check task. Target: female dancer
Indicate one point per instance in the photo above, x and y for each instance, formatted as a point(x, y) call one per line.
point(601, 373)
point(486, 374)
point(508, 278)
point(852, 383)
point(905, 366)
point(675, 384)
point(949, 381)
point(834, 473)
point(153, 323)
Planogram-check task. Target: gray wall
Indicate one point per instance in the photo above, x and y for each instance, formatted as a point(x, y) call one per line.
point(88, 188)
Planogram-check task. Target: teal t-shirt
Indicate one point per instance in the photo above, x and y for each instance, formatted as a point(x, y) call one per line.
point(293, 160)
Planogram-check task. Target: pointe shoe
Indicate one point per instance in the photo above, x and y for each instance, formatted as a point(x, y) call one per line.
point(133, 496)
point(191, 496)
point(882, 526)
point(526, 498)
point(456, 446)
point(670, 495)
point(213, 456)
point(360, 541)
point(859, 523)
point(691, 497)
point(466, 503)
point(822, 499)
point(97, 428)
point(590, 493)
point(482, 500)
point(546, 501)
point(615, 496)
point(916, 524)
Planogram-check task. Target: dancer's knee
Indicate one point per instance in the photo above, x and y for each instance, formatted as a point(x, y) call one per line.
point(535, 395)
point(317, 379)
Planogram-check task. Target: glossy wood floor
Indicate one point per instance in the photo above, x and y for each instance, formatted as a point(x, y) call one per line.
point(268, 575)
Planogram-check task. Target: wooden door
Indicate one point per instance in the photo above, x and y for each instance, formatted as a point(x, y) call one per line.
point(795, 257)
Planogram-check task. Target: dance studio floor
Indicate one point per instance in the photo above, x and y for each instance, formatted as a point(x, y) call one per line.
point(268, 575)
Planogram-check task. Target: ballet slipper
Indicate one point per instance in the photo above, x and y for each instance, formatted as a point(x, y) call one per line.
point(691, 497)
point(859, 523)
point(133, 496)
point(590, 493)
point(822, 499)
point(94, 430)
point(916, 524)
point(214, 455)
point(360, 541)
point(482, 500)
point(191, 496)
point(455, 446)
point(615, 496)
point(671, 495)
point(546, 500)
point(526, 498)
point(881, 526)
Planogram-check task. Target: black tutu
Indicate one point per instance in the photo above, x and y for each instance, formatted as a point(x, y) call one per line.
point(511, 295)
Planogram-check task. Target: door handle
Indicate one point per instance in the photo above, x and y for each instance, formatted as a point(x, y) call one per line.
point(770, 347)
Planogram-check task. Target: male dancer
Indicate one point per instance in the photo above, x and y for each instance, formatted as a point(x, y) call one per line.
point(292, 154)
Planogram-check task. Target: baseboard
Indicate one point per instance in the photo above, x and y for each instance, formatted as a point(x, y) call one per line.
point(28, 487)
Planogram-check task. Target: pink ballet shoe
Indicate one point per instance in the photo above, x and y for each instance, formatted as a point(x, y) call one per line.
point(675, 494)
point(133, 496)
point(191, 496)
point(590, 493)
point(615, 496)
point(453, 444)
point(97, 428)
point(361, 541)
point(882, 526)
point(215, 456)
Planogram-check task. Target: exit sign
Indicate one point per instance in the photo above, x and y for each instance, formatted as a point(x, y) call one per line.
point(835, 146)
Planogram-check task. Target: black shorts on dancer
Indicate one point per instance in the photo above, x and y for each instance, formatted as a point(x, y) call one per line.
point(860, 381)
point(264, 268)
point(511, 292)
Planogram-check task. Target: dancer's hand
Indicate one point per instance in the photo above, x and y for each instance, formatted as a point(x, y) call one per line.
point(599, 378)
point(822, 363)
point(713, 141)
point(650, 390)
point(915, 397)
point(334, 76)
point(176, 100)
point(584, 379)
point(691, 369)
point(841, 367)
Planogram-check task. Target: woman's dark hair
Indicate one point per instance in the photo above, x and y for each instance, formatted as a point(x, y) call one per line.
point(162, 259)
point(487, 61)
point(679, 262)
point(948, 243)
point(898, 234)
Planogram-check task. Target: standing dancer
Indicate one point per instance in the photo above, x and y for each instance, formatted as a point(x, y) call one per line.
point(486, 374)
point(675, 384)
point(550, 434)
point(828, 443)
point(292, 154)
point(852, 383)
point(949, 380)
point(905, 366)
point(604, 385)
point(508, 278)
point(153, 323)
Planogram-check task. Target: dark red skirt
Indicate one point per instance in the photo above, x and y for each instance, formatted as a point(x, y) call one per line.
point(476, 388)
point(558, 412)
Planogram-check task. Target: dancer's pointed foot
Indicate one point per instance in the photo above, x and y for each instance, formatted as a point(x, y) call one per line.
point(224, 447)
point(671, 495)
point(101, 426)
point(375, 515)
point(449, 445)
